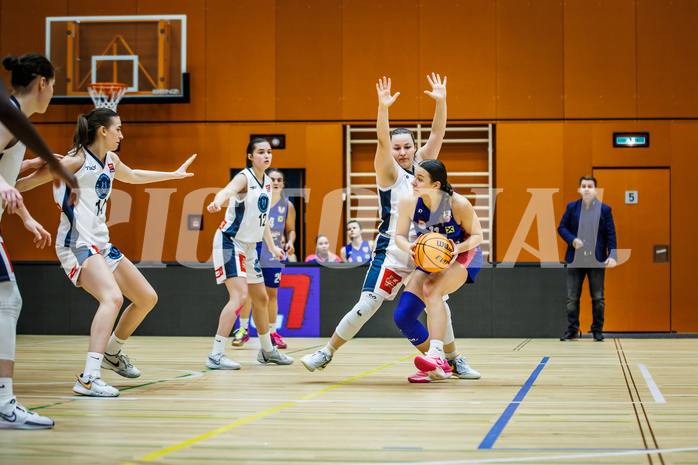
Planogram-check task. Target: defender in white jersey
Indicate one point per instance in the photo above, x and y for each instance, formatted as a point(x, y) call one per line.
point(235, 257)
point(394, 163)
point(33, 77)
point(87, 256)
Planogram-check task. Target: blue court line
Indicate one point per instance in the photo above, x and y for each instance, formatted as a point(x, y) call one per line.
point(501, 423)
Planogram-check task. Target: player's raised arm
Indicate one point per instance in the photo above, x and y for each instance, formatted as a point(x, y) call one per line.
point(384, 163)
point(134, 176)
point(237, 185)
point(438, 126)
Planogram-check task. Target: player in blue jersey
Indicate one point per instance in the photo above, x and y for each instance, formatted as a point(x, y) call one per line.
point(394, 163)
point(282, 223)
point(357, 250)
point(235, 258)
point(434, 207)
point(84, 249)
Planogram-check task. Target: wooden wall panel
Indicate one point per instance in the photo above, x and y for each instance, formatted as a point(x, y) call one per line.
point(240, 73)
point(529, 156)
point(600, 68)
point(657, 154)
point(308, 60)
point(684, 224)
point(529, 59)
point(667, 51)
point(457, 39)
point(380, 39)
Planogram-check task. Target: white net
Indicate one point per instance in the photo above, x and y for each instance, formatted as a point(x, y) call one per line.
point(106, 94)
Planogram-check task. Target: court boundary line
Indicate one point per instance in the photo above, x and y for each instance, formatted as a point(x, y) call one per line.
point(508, 413)
point(654, 389)
point(233, 425)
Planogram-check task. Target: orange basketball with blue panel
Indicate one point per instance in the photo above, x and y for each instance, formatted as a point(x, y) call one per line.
point(433, 252)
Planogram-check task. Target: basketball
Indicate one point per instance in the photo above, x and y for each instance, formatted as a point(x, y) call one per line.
point(432, 252)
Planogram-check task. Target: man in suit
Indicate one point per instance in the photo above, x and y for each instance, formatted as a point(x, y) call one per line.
point(587, 227)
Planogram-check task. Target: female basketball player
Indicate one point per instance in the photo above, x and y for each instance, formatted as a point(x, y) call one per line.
point(85, 252)
point(434, 207)
point(235, 254)
point(32, 88)
point(282, 222)
point(394, 164)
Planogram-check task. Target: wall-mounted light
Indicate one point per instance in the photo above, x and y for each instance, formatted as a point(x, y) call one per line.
point(631, 139)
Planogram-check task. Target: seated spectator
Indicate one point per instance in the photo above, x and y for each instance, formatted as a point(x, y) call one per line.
point(357, 250)
point(322, 252)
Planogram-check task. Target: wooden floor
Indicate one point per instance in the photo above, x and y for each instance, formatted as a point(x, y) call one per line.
point(624, 401)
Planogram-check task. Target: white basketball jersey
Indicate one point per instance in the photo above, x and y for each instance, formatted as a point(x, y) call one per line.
point(247, 214)
point(389, 200)
point(85, 224)
point(11, 162)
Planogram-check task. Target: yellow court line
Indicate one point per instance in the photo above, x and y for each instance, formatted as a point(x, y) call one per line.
point(223, 429)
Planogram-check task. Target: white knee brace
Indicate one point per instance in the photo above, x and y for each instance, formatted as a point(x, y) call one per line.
point(449, 337)
point(359, 315)
point(10, 306)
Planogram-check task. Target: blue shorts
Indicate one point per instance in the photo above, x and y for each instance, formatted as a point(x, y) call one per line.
point(270, 269)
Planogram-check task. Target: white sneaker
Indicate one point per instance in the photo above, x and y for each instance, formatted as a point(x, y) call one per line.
point(461, 369)
point(317, 361)
point(14, 416)
point(273, 357)
point(221, 362)
point(94, 386)
point(121, 364)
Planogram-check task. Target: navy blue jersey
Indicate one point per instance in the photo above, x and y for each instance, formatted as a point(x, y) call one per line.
point(360, 255)
point(439, 221)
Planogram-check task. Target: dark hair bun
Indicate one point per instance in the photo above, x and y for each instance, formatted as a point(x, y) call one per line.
point(10, 62)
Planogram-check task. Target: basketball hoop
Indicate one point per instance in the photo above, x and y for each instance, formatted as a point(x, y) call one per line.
point(106, 94)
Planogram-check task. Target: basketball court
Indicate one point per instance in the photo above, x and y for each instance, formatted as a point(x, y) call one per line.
point(627, 401)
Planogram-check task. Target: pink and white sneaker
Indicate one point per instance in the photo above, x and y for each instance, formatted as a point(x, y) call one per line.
point(432, 364)
point(419, 377)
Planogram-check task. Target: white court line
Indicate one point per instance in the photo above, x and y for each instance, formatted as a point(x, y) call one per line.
point(53, 342)
point(548, 457)
point(658, 397)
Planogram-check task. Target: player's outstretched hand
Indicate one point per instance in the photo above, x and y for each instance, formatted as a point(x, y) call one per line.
point(384, 97)
point(438, 90)
point(41, 237)
point(182, 171)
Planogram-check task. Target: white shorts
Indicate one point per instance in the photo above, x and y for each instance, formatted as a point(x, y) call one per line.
point(7, 273)
point(72, 258)
point(235, 259)
point(390, 269)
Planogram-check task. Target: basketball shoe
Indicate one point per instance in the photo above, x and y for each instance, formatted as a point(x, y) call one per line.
point(432, 364)
point(273, 357)
point(317, 360)
point(121, 364)
point(277, 341)
point(240, 336)
point(461, 369)
point(221, 362)
point(423, 376)
point(94, 386)
point(14, 416)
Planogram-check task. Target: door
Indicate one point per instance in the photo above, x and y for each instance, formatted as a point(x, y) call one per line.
point(638, 291)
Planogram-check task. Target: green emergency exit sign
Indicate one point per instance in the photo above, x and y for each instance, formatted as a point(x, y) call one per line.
point(631, 139)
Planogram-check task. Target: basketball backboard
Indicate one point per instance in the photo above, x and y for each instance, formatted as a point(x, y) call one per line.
point(147, 53)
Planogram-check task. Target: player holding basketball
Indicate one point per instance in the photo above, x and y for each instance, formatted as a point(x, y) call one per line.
point(86, 253)
point(33, 77)
point(282, 223)
point(235, 257)
point(434, 207)
point(394, 163)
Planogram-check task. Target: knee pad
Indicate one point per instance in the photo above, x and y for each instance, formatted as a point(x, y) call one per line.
point(406, 318)
point(364, 309)
point(10, 306)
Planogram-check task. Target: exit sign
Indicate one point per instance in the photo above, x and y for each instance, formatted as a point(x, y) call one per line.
point(631, 139)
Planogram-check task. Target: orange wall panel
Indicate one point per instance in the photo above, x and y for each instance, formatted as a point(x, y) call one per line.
point(600, 68)
point(657, 154)
point(529, 156)
point(240, 72)
point(380, 39)
point(529, 59)
point(457, 39)
point(308, 62)
point(667, 47)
